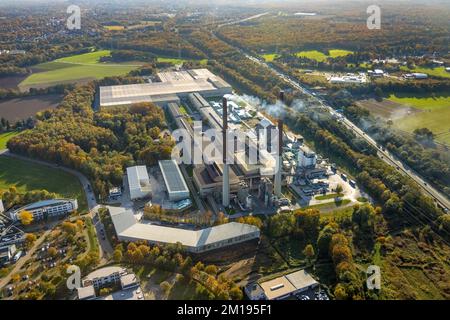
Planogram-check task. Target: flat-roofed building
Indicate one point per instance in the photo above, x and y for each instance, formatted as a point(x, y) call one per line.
point(86, 293)
point(208, 179)
point(172, 86)
point(196, 241)
point(7, 253)
point(111, 276)
point(138, 182)
point(46, 209)
point(104, 276)
point(283, 287)
point(176, 185)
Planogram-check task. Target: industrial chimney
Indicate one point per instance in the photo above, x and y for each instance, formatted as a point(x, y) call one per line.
point(226, 173)
point(279, 159)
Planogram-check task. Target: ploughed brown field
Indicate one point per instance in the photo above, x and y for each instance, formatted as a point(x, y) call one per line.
point(11, 82)
point(22, 108)
point(387, 109)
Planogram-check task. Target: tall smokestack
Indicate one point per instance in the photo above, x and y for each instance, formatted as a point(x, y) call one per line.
point(281, 96)
point(226, 173)
point(278, 169)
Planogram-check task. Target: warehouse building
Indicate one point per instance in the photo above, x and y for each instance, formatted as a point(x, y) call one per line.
point(176, 185)
point(283, 287)
point(195, 241)
point(138, 182)
point(171, 86)
point(47, 209)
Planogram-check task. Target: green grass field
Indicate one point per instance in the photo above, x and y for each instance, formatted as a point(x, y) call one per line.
point(28, 176)
point(269, 57)
point(4, 138)
point(329, 196)
point(320, 56)
point(76, 68)
point(176, 61)
point(435, 114)
point(436, 72)
point(114, 28)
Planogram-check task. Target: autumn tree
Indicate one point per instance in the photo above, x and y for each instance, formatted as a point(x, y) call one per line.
point(69, 228)
point(309, 253)
point(117, 256)
point(26, 217)
point(52, 251)
point(80, 224)
point(30, 238)
point(252, 220)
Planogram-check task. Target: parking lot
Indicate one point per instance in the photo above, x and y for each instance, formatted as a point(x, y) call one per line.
point(9, 234)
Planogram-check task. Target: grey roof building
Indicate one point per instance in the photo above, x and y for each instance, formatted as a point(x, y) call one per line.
point(172, 86)
point(196, 241)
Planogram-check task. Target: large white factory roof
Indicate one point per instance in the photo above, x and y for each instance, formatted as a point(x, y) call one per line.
point(127, 227)
point(172, 176)
point(171, 84)
point(138, 179)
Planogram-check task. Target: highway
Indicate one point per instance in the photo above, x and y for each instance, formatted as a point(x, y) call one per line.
point(387, 157)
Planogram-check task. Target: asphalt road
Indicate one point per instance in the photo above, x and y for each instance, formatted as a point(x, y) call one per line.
point(105, 248)
point(437, 196)
point(5, 280)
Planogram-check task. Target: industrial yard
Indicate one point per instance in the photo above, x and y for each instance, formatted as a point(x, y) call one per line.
point(259, 175)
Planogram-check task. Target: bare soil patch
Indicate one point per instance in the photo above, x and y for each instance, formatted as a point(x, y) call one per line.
point(22, 108)
point(11, 82)
point(387, 109)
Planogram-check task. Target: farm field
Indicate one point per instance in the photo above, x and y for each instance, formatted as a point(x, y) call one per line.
point(5, 137)
point(269, 57)
point(27, 176)
point(423, 102)
point(386, 108)
point(114, 28)
point(436, 72)
point(77, 68)
point(320, 56)
point(434, 116)
point(22, 108)
point(410, 112)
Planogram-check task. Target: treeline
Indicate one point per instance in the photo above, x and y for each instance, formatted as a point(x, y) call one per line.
point(207, 280)
point(241, 72)
point(408, 36)
point(35, 55)
point(401, 200)
point(8, 70)
point(431, 163)
point(328, 240)
point(14, 93)
point(129, 55)
point(100, 145)
point(415, 87)
point(12, 197)
point(158, 43)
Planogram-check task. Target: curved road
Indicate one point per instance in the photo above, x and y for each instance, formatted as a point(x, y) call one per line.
point(105, 248)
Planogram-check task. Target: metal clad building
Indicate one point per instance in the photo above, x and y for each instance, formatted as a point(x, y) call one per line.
point(174, 180)
point(138, 182)
point(196, 241)
point(172, 86)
